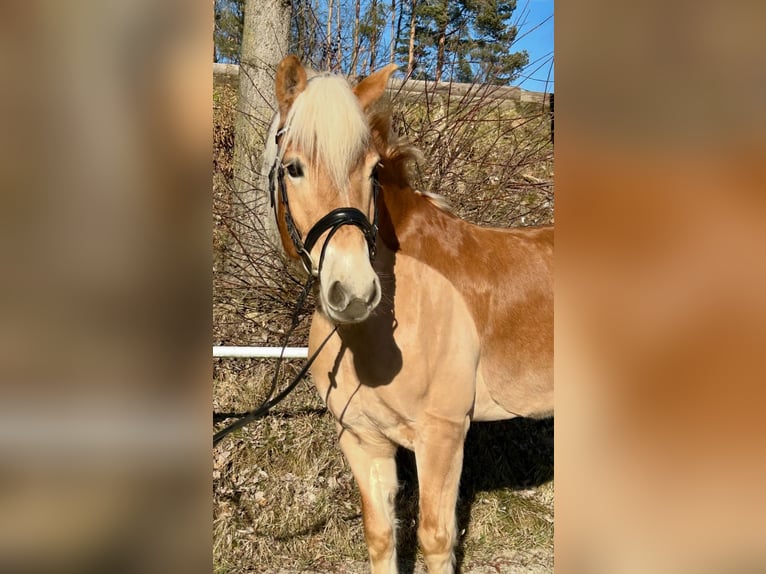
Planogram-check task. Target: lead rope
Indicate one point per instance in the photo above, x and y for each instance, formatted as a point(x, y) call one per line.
point(268, 403)
point(329, 223)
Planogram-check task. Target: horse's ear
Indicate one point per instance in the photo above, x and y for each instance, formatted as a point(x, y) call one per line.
point(291, 81)
point(372, 87)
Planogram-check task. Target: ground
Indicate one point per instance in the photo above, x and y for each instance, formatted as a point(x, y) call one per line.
point(284, 499)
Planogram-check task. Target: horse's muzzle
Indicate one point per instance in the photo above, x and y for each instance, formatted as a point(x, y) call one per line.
point(344, 306)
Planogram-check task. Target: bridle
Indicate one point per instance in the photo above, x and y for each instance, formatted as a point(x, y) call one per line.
point(333, 221)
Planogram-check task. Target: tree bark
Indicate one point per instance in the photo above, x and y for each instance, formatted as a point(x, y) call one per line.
point(373, 35)
point(393, 32)
point(398, 36)
point(339, 47)
point(328, 49)
point(440, 55)
point(264, 43)
point(441, 44)
point(355, 47)
point(411, 51)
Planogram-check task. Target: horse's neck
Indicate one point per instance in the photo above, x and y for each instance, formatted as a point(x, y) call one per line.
point(478, 262)
point(413, 225)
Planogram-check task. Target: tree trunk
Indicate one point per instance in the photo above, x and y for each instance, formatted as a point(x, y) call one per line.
point(441, 45)
point(374, 34)
point(411, 52)
point(398, 35)
point(264, 43)
point(393, 32)
point(339, 47)
point(440, 55)
point(300, 29)
point(328, 36)
point(355, 47)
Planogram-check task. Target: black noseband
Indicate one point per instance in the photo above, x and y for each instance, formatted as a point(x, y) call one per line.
point(337, 218)
point(331, 222)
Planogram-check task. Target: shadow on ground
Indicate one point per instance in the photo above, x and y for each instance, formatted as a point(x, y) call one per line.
point(513, 454)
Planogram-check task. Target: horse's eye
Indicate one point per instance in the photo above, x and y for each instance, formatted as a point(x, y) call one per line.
point(294, 169)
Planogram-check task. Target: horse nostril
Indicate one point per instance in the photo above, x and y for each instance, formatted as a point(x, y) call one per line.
point(373, 294)
point(336, 295)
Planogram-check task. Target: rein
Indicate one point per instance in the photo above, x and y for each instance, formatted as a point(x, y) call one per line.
point(331, 222)
point(246, 418)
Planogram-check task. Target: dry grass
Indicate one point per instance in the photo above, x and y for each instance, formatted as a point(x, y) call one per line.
point(284, 498)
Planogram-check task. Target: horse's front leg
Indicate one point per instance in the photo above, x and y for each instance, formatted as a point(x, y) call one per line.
point(372, 460)
point(439, 458)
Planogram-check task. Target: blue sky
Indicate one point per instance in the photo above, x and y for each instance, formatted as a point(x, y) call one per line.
point(535, 21)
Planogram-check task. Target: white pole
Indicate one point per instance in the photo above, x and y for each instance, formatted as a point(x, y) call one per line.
point(261, 352)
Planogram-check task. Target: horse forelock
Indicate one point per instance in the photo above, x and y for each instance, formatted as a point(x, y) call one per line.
point(327, 124)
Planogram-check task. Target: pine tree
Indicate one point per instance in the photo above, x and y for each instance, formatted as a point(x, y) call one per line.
point(227, 34)
point(370, 28)
point(490, 45)
point(466, 40)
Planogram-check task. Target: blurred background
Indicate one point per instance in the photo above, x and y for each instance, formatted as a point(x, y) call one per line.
point(105, 297)
point(105, 327)
point(659, 287)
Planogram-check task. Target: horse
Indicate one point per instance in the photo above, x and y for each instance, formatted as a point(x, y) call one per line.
point(424, 322)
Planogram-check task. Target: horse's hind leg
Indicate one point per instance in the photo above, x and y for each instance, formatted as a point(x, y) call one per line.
point(374, 467)
point(439, 457)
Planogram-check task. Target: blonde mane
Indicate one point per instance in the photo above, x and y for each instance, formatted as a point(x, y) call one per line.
point(327, 124)
point(398, 152)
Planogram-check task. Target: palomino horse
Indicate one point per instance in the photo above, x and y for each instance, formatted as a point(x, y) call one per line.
point(448, 323)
